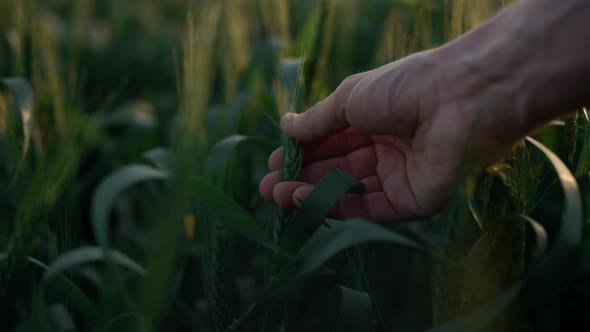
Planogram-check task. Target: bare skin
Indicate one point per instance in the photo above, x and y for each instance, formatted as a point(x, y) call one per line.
point(402, 129)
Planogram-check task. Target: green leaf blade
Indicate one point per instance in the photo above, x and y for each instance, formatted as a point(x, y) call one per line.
point(110, 188)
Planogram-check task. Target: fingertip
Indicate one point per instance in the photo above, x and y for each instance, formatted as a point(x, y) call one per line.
point(300, 194)
point(267, 185)
point(275, 160)
point(283, 193)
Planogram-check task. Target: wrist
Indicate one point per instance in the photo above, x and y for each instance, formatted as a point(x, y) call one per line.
point(522, 68)
point(486, 79)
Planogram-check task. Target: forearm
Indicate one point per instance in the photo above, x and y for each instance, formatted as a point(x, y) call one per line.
point(525, 66)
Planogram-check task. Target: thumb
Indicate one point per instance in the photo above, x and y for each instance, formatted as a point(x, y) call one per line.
point(326, 118)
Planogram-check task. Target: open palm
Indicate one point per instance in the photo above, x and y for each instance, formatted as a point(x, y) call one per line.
point(377, 161)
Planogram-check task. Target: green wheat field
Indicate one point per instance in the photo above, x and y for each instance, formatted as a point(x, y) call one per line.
point(134, 134)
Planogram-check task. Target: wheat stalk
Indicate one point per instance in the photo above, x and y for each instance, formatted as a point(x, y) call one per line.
point(221, 310)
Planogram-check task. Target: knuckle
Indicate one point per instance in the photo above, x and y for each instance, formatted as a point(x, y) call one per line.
point(341, 96)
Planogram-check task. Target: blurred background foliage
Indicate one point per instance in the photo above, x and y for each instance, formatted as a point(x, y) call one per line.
point(102, 99)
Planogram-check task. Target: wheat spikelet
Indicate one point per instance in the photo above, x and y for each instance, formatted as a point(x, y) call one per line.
point(288, 97)
point(292, 164)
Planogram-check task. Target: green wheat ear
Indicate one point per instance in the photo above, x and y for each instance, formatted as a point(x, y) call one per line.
point(292, 155)
point(292, 164)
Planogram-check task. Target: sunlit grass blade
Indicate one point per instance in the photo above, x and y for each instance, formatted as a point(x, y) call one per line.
point(552, 270)
point(311, 39)
point(541, 238)
point(570, 232)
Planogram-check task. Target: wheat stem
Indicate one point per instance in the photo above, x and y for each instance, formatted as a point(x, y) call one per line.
point(221, 310)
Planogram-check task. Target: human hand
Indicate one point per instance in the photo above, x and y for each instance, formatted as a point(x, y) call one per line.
point(400, 129)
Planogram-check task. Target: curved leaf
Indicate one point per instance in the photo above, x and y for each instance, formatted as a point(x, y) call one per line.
point(329, 240)
point(541, 238)
point(109, 189)
point(160, 157)
point(221, 153)
point(230, 213)
point(85, 255)
point(74, 294)
point(570, 233)
point(552, 271)
point(337, 236)
point(317, 206)
point(60, 316)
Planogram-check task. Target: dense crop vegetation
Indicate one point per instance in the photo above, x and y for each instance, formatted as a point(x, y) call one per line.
point(133, 136)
